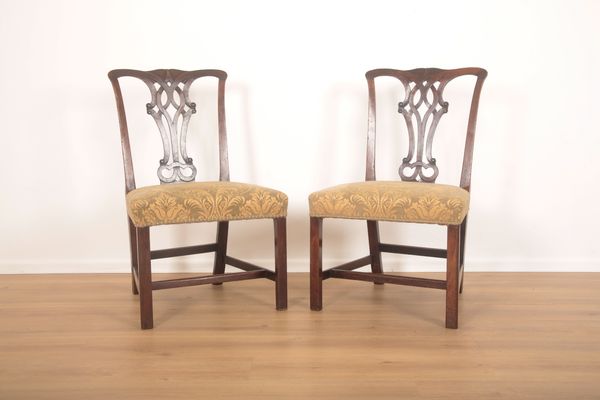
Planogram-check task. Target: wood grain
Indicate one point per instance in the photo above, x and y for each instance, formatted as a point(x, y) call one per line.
point(522, 336)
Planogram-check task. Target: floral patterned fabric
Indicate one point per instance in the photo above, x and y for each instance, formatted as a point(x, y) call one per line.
point(392, 201)
point(180, 203)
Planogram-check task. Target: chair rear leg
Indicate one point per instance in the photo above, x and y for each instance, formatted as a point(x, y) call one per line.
point(145, 277)
point(316, 263)
point(280, 263)
point(219, 265)
point(373, 231)
point(133, 251)
point(452, 264)
point(463, 236)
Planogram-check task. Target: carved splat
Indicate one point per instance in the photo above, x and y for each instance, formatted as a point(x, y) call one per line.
point(422, 109)
point(171, 109)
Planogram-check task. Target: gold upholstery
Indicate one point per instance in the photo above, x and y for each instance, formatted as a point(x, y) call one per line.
point(392, 201)
point(179, 203)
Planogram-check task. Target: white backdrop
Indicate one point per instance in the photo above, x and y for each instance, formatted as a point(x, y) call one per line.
point(296, 108)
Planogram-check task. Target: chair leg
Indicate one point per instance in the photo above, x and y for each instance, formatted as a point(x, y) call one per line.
point(219, 265)
point(373, 231)
point(279, 225)
point(452, 265)
point(463, 236)
point(316, 263)
point(145, 277)
point(133, 251)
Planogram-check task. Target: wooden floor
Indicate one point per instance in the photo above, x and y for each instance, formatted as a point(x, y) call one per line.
point(521, 336)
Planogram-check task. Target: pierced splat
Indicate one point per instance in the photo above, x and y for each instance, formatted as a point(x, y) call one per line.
point(172, 92)
point(422, 108)
point(171, 109)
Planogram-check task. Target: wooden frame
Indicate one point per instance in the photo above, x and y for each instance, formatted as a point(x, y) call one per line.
point(422, 80)
point(141, 253)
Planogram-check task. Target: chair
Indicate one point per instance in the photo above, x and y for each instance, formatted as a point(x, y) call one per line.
point(178, 199)
point(416, 198)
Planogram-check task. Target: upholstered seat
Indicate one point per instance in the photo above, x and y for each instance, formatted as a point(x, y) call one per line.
point(392, 201)
point(203, 202)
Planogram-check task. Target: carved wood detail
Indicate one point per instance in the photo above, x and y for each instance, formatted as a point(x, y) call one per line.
point(422, 107)
point(167, 93)
point(171, 109)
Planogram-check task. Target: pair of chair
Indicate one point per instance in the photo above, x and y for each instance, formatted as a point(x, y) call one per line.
point(178, 199)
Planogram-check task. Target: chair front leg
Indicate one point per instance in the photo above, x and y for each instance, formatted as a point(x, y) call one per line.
point(280, 263)
point(452, 265)
point(133, 251)
point(316, 263)
point(219, 265)
point(145, 277)
point(373, 231)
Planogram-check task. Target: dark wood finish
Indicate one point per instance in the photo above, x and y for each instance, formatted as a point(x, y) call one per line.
point(243, 265)
point(383, 278)
point(452, 276)
point(223, 153)
point(169, 88)
point(463, 239)
point(125, 144)
point(204, 280)
point(352, 265)
point(133, 253)
point(423, 81)
point(316, 263)
point(465, 178)
point(373, 233)
point(165, 78)
point(136, 278)
point(246, 266)
point(280, 235)
point(412, 250)
point(349, 266)
point(422, 108)
point(183, 251)
point(145, 277)
point(221, 250)
point(461, 271)
point(370, 173)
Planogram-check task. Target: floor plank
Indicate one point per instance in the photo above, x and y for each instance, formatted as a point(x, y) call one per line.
point(521, 336)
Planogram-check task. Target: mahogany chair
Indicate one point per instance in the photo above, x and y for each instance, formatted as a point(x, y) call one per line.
point(178, 199)
point(416, 198)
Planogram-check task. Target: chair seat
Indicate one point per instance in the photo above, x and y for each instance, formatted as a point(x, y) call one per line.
point(179, 203)
point(419, 202)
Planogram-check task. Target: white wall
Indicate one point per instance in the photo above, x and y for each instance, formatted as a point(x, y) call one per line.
point(297, 122)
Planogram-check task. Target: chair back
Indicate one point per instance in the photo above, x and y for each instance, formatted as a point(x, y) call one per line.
point(422, 108)
point(171, 108)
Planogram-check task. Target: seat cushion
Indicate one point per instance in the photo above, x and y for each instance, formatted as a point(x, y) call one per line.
point(392, 201)
point(179, 203)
